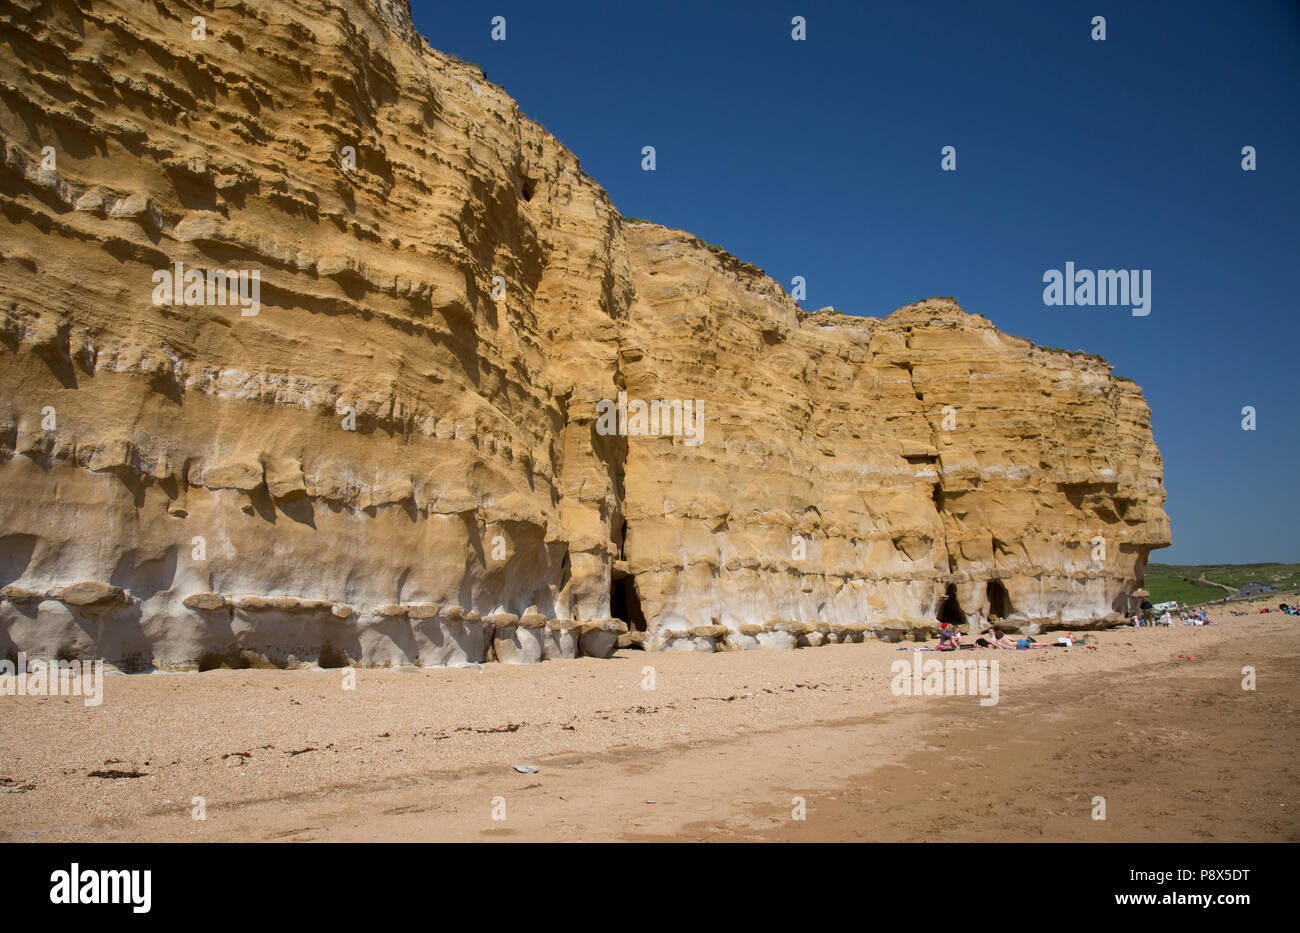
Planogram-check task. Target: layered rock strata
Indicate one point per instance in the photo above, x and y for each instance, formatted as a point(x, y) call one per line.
point(394, 447)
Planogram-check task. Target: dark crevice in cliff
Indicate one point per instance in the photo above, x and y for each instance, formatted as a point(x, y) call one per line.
point(950, 610)
point(999, 600)
point(625, 602)
point(613, 452)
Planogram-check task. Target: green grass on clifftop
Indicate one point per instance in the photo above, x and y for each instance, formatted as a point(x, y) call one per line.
point(1177, 581)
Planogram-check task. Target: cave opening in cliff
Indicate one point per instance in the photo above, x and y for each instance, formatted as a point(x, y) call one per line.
point(624, 602)
point(950, 611)
point(999, 600)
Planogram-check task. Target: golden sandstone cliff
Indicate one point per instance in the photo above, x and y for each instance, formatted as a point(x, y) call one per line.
point(265, 398)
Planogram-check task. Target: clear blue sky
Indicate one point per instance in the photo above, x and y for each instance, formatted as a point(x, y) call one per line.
point(821, 158)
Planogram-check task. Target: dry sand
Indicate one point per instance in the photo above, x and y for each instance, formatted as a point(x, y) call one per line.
point(718, 750)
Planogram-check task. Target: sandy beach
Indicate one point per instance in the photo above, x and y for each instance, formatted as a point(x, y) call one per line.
point(723, 747)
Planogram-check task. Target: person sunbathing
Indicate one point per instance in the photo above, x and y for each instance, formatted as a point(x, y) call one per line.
point(1000, 641)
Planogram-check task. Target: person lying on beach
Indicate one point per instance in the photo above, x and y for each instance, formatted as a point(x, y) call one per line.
point(1023, 644)
point(994, 640)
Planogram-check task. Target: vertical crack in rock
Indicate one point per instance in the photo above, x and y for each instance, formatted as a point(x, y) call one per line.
point(388, 452)
point(929, 455)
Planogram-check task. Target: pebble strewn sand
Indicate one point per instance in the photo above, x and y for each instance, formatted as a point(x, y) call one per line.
point(722, 746)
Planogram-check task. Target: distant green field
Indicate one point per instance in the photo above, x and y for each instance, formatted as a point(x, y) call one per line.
point(1174, 581)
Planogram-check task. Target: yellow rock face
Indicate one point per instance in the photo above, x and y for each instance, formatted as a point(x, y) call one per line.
point(306, 313)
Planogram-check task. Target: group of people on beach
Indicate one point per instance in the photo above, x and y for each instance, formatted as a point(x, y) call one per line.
point(1281, 607)
point(1186, 615)
point(950, 640)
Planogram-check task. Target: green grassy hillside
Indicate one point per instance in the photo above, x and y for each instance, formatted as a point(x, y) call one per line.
point(1176, 581)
